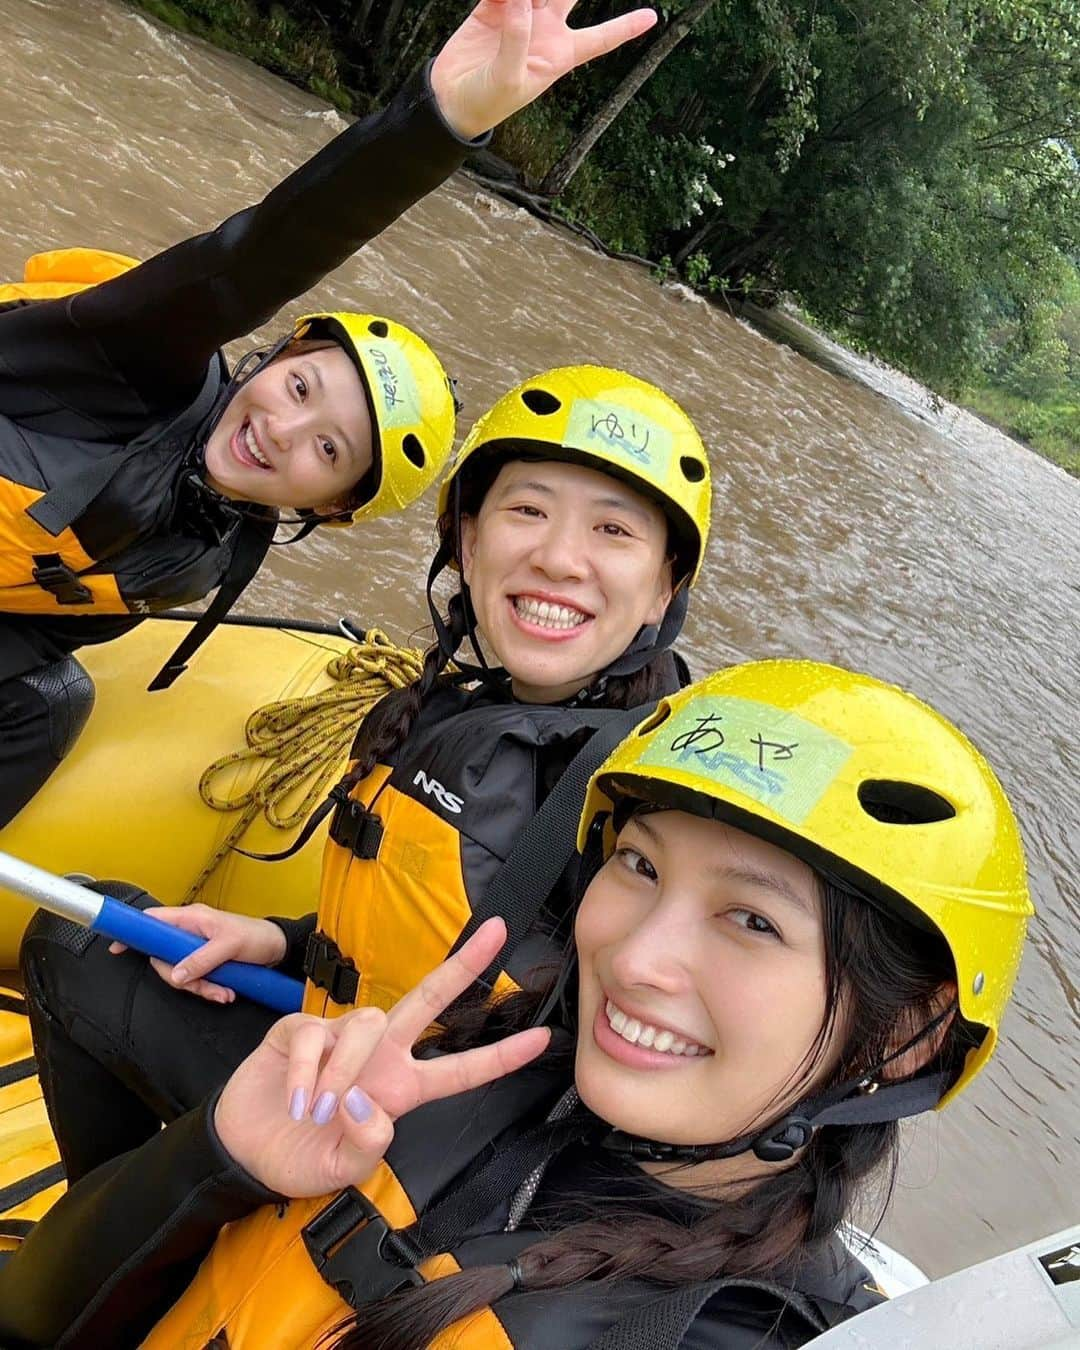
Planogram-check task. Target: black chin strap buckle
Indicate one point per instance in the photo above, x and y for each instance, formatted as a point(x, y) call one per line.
point(357, 1253)
point(641, 1150)
point(784, 1140)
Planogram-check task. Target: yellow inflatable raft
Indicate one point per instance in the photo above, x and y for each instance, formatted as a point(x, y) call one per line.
point(274, 709)
point(126, 803)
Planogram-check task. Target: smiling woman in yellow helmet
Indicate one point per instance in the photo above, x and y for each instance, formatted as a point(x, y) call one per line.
point(136, 473)
point(575, 518)
point(804, 909)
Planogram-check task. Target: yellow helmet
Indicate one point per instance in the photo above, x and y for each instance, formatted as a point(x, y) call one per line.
point(826, 763)
point(611, 421)
point(410, 399)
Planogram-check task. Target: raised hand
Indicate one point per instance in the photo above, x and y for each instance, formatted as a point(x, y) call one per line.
point(313, 1108)
point(507, 52)
point(229, 937)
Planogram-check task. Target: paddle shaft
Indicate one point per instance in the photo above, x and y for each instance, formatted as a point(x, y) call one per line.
point(142, 932)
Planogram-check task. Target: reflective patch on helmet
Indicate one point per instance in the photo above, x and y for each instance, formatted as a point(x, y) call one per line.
point(615, 430)
point(770, 754)
point(395, 385)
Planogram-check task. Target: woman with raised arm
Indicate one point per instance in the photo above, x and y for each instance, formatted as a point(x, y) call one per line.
point(136, 473)
point(805, 906)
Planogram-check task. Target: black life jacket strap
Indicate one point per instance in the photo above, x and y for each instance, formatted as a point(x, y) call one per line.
point(66, 501)
point(253, 537)
point(662, 1323)
point(545, 846)
point(62, 582)
point(357, 1253)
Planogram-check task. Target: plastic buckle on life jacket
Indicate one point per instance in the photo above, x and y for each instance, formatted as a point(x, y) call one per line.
point(60, 581)
point(356, 1251)
point(355, 827)
point(328, 968)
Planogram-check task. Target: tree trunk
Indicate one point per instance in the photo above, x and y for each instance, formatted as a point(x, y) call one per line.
point(561, 172)
point(707, 227)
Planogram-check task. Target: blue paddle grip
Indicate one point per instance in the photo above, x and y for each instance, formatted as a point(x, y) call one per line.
point(146, 934)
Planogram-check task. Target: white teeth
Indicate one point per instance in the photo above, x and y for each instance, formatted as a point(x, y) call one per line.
point(546, 614)
point(253, 448)
point(645, 1034)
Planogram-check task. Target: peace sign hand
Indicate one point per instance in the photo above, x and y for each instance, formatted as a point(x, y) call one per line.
point(312, 1109)
point(507, 52)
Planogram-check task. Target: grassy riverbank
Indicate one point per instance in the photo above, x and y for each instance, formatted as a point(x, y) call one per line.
point(299, 50)
point(1052, 427)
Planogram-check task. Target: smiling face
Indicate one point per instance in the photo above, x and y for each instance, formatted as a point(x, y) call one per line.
point(297, 434)
point(702, 981)
point(564, 565)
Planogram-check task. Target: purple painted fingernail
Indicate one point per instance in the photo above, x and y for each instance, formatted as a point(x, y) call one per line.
point(357, 1105)
point(323, 1110)
point(298, 1103)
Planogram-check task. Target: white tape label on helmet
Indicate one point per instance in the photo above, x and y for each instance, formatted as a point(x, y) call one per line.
point(772, 755)
point(614, 430)
point(395, 387)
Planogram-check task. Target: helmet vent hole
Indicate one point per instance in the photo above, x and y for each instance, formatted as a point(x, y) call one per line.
point(693, 470)
point(903, 803)
point(541, 402)
point(378, 327)
point(413, 450)
point(659, 717)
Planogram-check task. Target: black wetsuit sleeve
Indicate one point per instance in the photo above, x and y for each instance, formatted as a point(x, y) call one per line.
point(145, 338)
point(297, 932)
point(119, 1248)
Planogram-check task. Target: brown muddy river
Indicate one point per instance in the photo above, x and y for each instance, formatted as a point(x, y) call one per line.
point(852, 523)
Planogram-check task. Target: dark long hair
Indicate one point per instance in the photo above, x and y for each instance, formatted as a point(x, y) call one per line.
point(883, 978)
point(388, 724)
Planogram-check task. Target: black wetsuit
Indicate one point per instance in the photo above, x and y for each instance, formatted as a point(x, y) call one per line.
point(83, 377)
point(109, 1261)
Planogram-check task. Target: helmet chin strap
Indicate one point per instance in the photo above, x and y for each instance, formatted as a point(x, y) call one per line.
point(249, 365)
point(649, 642)
point(857, 1101)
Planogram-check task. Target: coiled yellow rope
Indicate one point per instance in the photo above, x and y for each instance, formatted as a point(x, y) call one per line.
point(306, 741)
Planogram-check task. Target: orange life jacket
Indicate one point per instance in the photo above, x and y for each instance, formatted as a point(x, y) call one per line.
point(85, 526)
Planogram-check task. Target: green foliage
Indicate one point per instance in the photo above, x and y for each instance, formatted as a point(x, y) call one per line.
point(1051, 428)
point(909, 172)
point(290, 45)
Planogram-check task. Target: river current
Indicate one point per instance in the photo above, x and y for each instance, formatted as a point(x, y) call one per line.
point(853, 522)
